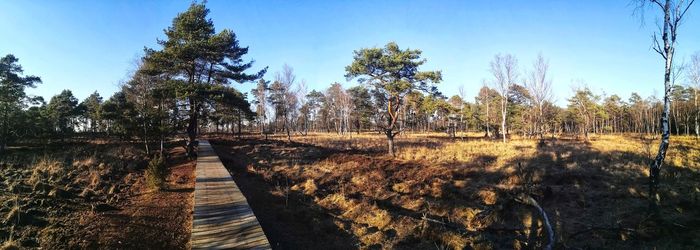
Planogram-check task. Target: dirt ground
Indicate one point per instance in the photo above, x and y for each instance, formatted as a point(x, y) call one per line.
point(335, 192)
point(87, 195)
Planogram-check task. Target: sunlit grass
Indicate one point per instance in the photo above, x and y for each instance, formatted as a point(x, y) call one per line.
point(471, 181)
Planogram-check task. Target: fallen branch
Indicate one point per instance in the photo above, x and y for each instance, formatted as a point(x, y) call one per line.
point(528, 200)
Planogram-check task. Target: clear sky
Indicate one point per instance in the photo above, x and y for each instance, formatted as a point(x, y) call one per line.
point(91, 46)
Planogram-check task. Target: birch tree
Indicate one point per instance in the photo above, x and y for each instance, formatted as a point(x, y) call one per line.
point(260, 101)
point(693, 75)
point(540, 87)
point(505, 72)
point(673, 12)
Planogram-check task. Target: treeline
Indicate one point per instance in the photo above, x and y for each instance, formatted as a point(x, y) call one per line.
point(141, 110)
point(177, 88)
point(359, 109)
point(183, 88)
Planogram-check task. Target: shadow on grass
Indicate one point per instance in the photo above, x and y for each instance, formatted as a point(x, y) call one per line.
point(594, 199)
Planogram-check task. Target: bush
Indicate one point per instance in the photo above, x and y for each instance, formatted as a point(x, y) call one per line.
point(157, 172)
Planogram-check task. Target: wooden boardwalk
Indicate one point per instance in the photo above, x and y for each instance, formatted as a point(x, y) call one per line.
point(222, 217)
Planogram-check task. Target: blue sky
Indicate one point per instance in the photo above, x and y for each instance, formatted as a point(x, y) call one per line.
point(91, 46)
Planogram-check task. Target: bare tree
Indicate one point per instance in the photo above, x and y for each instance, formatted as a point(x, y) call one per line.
point(260, 95)
point(340, 105)
point(283, 98)
point(486, 99)
point(301, 93)
point(462, 94)
point(673, 13)
point(505, 72)
point(540, 87)
point(693, 75)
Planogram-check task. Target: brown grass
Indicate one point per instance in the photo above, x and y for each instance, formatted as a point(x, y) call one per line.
point(65, 196)
point(456, 193)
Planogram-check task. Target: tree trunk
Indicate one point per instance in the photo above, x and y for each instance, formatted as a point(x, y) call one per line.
point(145, 137)
point(192, 128)
point(655, 168)
point(390, 140)
point(488, 132)
point(240, 123)
point(504, 102)
point(286, 127)
point(697, 126)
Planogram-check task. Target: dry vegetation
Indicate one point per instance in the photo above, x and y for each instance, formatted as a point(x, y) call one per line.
point(342, 192)
point(91, 195)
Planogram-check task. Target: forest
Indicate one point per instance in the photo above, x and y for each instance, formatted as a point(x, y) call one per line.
point(389, 163)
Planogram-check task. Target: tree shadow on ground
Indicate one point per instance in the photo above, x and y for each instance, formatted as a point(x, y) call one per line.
point(598, 199)
point(594, 199)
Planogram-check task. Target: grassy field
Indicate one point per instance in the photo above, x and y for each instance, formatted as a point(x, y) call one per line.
point(92, 195)
point(333, 191)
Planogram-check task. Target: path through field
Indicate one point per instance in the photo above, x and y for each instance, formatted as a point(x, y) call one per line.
point(222, 217)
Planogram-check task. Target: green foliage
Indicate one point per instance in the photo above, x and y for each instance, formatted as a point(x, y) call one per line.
point(195, 58)
point(119, 115)
point(392, 71)
point(582, 104)
point(363, 106)
point(12, 97)
point(260, 98)
point(91, 109)
point(157, 172)
point(62, 111)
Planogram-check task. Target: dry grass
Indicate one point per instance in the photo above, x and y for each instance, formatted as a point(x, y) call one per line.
point(456, 193)
point(10, 245)
point(45, 189)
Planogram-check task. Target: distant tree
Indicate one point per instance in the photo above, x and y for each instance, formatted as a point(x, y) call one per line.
point(283, 98)
point(363, 107)
point(462, 111)
point(152, 99)
point(429, 107)
point(486, 99)
point(196, 57)
point(231, 106)
point(119, 115)
point(505, 72)
point(92, 106)
point(518, 109)
point(552, 116)
point(693, 76)
point(637, 107)
point(540, 87)
point(35, 122)
point(413, 108)
point(260, 101)
point(613, 105)
point(393, 73)
point(303, 108)
point(457, 104)
point(315, 100)
point(62, 108)
point(340, 105)
point(12, 96)
point(583, 105)
point(680, 110)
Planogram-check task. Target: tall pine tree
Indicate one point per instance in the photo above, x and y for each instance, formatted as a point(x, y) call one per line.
point(196, 57)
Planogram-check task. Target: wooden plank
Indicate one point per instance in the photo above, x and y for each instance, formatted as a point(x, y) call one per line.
point(222, 217)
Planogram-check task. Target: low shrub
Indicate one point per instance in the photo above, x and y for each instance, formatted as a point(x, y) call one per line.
point(156, 172)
